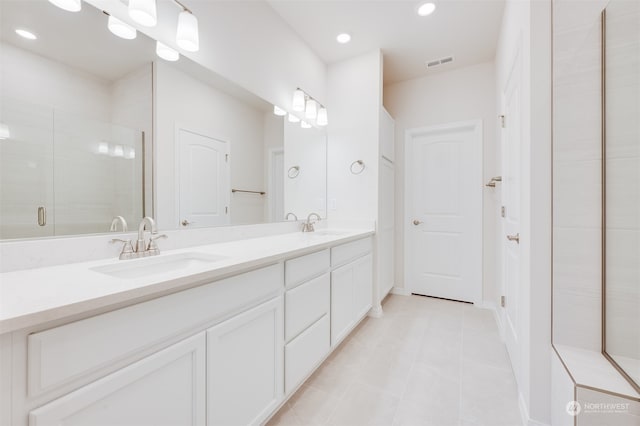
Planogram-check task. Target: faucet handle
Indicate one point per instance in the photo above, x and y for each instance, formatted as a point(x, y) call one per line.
point(152, 241)
point(127, 248)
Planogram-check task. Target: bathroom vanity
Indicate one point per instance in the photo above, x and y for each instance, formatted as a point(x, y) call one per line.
point(223, 335)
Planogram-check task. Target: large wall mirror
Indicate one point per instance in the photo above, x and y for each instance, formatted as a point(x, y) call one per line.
point(621, 201)
point(94, 126)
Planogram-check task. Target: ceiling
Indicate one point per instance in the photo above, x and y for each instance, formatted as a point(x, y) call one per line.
point(465, 29)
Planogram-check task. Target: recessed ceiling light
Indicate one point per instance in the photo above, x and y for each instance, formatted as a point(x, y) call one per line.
point(343, 38)
point(426, 9)
point(26, 34)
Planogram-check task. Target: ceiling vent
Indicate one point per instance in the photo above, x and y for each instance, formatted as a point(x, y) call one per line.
point(441, 61)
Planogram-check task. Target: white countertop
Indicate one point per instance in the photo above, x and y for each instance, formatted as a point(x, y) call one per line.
point(34, 296)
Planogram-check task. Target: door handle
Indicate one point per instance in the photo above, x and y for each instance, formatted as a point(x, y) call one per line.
point(515, 238)
point(42, 216)
point(416, 222)
point(185, 222)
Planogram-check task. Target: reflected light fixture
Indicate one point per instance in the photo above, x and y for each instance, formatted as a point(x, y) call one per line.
point(129, 153)
point(426, 9)
point(121, 29)
point(279, 111)
point(143, 12)
point(26, 34)
point(4, 131)
point(187, 35)
point(166, 53)
point(305, 125)
point(103, 148)
point(311, 110)
point(118, 151)
point(298, 100)
point(322, 119)
point(68, 5)
point(343, 38)
point(293, 119)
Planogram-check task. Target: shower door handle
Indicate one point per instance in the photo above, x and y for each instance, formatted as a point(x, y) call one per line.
point(515, 238)
point(417, 222)
point(42, 216)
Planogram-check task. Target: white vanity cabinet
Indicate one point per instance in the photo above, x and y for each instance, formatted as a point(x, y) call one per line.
point(245, 366)
point(166, 388)
point(351, 286)
point(307, 310)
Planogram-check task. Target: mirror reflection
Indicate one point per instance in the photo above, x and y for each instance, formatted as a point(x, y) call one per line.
point(100, 127)
point(622, 185)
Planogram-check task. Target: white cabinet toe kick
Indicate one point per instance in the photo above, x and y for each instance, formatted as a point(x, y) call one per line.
point(230, 352)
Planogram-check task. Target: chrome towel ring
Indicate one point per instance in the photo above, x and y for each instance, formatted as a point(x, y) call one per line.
point(357, 167)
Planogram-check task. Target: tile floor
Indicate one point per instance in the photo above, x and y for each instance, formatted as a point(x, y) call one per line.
point(425, 362)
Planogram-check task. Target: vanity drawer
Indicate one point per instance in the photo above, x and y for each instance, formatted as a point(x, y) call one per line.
point(305, 304)
point(88, 348)
point(350, 251)
point(304, 353)
point(303, 268)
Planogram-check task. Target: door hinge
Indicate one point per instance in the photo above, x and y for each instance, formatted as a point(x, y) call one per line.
point(226, 209)
point(502, 301)
point(502, 121)
point(503, 211)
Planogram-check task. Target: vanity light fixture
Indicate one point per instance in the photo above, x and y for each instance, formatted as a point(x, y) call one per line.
point(4, 131)
point(322, 119)
point(305, 125)
point(279, 111)
point(103, 148)
point(187, 35)
point(68, 5)
point(121, 29)
point(298, 100)
point(293, 119)
point(118, 151)
point(166, 53)
point(426, 9)
point(26, 34)
point(143, 12)
point(343, 38)
point(311, 110)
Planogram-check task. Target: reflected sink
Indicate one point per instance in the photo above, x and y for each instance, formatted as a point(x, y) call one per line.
point(155, 265)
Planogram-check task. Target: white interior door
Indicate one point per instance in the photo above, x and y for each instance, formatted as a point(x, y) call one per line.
point(511, 140)
point(276, 185)
point(443, 231)
point(203, 174)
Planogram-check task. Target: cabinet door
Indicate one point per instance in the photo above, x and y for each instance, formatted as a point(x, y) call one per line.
point(166, 388)
point(245, 366)
point(362, 286)
point(342, 317)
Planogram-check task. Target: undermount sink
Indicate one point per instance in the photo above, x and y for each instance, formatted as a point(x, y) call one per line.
point(328, 233)
point(139, 268)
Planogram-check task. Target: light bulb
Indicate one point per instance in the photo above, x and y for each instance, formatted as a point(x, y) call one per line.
point(305, 125)
point(298, 100)
point(4, 131)
point(121, 29)
point(187, 34)
point(293, 118)
point(166, 53)
point(426, 9)
point(143, 12)
point(322, 119)
point(279, 111)
point(68, 5)
point(343, 38)
point(103, 148)
point(311, 111)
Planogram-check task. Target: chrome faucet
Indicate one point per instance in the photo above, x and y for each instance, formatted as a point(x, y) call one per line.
point(308, 225)
point(295, 218)
point(142, 247)
point(121, 221)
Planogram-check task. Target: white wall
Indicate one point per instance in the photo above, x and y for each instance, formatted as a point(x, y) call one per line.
point(183, 101)
point(527, 24)
point(246, 42)
point(459, 95)
point(273, 140)
point(355, 97)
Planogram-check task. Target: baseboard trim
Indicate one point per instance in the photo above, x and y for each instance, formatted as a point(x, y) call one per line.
point(400, 291)
point(524, 413)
